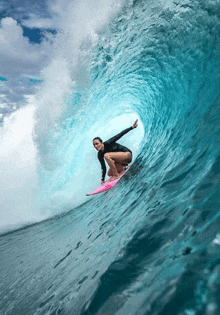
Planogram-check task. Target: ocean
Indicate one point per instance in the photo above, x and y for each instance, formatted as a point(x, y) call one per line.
point(150, 245)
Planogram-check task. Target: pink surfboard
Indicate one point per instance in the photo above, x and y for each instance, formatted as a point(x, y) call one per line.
point(107, 185)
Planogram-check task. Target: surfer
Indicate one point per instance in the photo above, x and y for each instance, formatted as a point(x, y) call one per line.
point(116, 155)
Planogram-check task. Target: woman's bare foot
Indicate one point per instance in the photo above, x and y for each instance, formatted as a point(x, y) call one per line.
point(122, 171)
point(125, 167)
point(113, 178)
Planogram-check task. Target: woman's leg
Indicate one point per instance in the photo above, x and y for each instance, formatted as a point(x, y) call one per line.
point(120, 168)
point(120, 157)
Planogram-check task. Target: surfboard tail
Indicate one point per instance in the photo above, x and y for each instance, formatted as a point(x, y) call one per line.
point(106, 186)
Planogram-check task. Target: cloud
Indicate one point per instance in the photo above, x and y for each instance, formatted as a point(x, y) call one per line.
point(77, 22)
point(19, 58)
point(16, 51)
point(34, 21)
point(59, 63)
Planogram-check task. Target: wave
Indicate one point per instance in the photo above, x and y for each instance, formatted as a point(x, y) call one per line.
point(148, 246)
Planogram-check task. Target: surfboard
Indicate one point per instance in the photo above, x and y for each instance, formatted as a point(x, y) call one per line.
point(106, 185)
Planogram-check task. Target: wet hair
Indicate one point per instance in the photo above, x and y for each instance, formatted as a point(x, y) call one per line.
point(97, 139)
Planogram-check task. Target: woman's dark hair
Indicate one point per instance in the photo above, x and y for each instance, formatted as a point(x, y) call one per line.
point(97, 139)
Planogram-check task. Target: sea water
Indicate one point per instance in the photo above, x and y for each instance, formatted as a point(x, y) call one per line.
point(151, 244)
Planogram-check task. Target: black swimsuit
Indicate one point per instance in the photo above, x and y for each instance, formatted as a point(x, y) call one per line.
point(111, 146)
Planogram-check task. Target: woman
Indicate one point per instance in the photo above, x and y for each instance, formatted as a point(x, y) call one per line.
point(116, 155)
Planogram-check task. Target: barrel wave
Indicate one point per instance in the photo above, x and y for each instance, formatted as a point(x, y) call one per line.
point(150, 245)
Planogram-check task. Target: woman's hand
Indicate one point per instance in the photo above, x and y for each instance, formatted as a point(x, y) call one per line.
point(135, 124)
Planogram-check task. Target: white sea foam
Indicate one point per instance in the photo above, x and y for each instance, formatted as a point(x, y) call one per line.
point(78, 23)
point(18, 160)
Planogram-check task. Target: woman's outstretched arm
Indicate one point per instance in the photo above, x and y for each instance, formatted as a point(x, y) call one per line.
point(122, 133)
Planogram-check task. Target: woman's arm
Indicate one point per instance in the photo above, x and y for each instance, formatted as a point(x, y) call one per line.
point(102, 162)
point(122, 133)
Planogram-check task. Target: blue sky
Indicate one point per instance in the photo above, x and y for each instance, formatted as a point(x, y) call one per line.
point(49, 40)
point(22, 11)
point(27, 29)
point(43, 40)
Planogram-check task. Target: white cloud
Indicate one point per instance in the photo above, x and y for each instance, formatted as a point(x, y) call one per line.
point(35, 21)
point(58, 63)
point(19, 58)
point(17, 54)
point(78, 21)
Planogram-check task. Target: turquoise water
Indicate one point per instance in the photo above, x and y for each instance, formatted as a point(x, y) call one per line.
point(151, 244)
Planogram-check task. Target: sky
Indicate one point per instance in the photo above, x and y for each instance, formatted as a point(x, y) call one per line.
point(44, 51)
point(27, 29)
point(41, 39)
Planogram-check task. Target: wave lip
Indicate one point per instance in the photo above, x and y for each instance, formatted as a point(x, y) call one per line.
point(149, 245)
